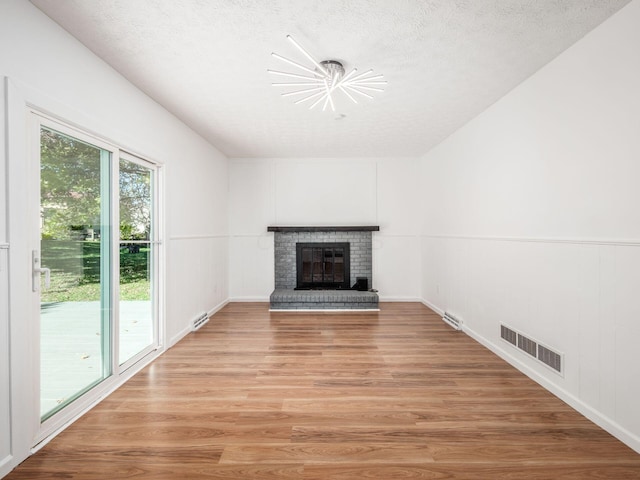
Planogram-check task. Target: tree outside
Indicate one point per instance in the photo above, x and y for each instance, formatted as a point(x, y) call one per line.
point(71, 224)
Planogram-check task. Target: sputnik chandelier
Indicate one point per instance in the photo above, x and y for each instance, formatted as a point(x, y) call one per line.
point(324, 79)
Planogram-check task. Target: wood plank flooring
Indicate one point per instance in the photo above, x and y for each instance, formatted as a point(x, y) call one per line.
point(389, 395)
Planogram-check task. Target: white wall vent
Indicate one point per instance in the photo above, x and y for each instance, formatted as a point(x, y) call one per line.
point(452, 321)
point(199, 321)
point(545, 355)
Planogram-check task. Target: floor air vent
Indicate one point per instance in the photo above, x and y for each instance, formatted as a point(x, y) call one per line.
point(452, 321)
point(543, 354)
point(199, 322)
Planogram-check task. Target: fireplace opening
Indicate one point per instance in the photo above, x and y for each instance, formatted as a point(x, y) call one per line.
point(322, 266)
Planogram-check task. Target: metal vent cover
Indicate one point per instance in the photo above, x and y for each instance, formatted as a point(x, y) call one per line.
point(509, 335)
point(550, 358)
point(199, 321)
point(452, 321)
point(527, 345)
point(543, 354)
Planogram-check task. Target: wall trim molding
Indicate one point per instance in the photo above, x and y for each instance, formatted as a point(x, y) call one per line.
point(561, 240)
point(199, 237)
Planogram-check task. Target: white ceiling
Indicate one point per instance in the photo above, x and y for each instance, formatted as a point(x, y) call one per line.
point(445, 62)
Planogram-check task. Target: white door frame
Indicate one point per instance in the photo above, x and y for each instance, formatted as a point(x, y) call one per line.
point(27, 435)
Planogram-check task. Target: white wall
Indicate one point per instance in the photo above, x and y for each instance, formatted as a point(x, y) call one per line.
point(531, 218)
point(324, 191)
point(49, 69)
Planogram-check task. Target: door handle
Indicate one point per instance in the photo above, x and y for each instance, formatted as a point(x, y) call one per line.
point(38, 270)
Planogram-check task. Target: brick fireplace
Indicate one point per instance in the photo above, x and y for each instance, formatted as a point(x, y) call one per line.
point(316, 268)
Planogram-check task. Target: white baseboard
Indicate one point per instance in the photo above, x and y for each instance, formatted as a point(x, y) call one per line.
point(6, 465)
point(179, 336)
point(249, 299)
point(218, 307)
point(395, 298)
point(187, 330)
point(432, 307)
point(604, 422)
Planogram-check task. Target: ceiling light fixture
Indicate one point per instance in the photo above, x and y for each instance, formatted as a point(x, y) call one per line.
point(325, 79)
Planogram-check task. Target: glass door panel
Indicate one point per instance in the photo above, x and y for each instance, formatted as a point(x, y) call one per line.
point(137, 251)
point(75, 250)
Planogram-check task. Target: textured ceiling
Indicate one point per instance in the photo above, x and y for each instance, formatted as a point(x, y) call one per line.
point(445, 62)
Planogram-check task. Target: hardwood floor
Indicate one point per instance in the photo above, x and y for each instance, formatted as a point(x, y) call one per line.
point(394, 394)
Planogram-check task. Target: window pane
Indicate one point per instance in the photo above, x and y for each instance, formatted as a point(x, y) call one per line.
point(74, 231)
point(136, 259)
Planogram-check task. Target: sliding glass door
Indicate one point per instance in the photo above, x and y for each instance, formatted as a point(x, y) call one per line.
point(137, 251)
point(95, 272)
point(72, 269)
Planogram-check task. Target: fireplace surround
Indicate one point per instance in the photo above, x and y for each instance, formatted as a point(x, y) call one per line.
point(333, 284)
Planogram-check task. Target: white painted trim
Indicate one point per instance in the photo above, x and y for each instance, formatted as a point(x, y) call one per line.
point(252, 235)
point(6, 465)
point(19, 100)
point(199, 237)
point(179, 336)
point(24, 423)
point(4, 246)
point(628, 242)
point(432, 307)
point(218, 307)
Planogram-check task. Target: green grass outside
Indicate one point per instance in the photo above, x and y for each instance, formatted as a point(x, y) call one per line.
point(75, 271)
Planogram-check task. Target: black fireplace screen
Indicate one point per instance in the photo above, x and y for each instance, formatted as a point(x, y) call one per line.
point(322, 265)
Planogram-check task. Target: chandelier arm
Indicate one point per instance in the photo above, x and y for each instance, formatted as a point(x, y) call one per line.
point(297, 84)
point(361, 75)
point(329, 90)
point(291, 62)
point(345, 78)
point(347, 94)
point(364, 82)
point(373, 77)
point(295, 75)
point(318, 101)
point(306, 90)
point(355, 89)
point(306, 54)
point(313, 95)
point(324, 106)
point(333, 108)
point(373, 89)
